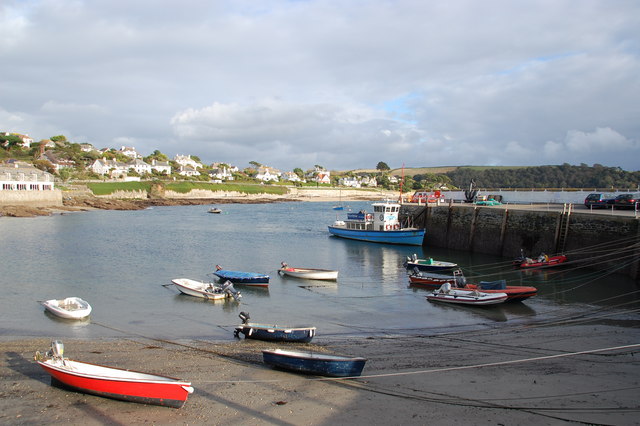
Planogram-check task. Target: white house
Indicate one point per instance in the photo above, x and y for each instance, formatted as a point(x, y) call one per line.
point(186, 160)
point(221, 173)
point(188, 171)
point(139, 166)
point(20, 176)
point(26, 140)
point(161, 166)
point(291, 177)
point(86, 147)
point(266, 174)
point(130, 152)
point(350, 181)
point(103, 166)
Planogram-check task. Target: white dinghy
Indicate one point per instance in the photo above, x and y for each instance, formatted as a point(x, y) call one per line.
point(69, 308)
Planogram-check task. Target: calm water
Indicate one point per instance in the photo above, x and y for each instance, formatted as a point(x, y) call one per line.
point(122, 262)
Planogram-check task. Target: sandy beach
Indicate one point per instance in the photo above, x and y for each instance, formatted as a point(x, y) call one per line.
point(512, 375)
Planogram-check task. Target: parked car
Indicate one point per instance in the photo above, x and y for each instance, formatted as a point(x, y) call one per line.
point(598, 200)
point(626, 201)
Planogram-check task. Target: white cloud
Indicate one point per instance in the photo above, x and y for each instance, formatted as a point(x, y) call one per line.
point(602, 139)
point(345, 84)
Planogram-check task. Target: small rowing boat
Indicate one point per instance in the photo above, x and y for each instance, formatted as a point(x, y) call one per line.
point(428, 264)
point(309, 273)
point(319, 364)
point(69, 308)
point(273, 333)
point(115, 383)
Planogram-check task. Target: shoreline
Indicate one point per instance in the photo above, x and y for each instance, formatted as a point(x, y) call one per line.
point(84, 202)
point(510, 375)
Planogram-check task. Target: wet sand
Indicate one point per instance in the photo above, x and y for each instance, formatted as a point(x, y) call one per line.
point(512, 375)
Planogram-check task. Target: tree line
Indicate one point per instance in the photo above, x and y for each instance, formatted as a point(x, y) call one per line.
point(562, 176)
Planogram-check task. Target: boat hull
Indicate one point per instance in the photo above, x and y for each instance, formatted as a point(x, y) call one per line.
point(310, 274)
point(462, 297)
point(274, 333)
point(118, 384)
point(434, 266)
point(553, 261)
point(514, 293)
point(70, 308)
point(245, 278)
point(412, 237)
point(314, 363)
point(431, 281)
point(200, 289)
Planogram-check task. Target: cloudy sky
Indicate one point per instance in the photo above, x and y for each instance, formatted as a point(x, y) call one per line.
point(339, 83)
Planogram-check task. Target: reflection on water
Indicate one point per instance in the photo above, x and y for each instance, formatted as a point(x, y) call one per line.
point(120, 261)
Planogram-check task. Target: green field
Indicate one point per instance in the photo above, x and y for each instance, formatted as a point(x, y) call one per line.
point(105, 188)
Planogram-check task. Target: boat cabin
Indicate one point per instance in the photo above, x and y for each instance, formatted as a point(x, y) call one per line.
point(384, 218)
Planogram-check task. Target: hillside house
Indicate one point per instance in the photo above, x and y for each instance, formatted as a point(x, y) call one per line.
point(58, 163)
point(139, 166)
point(186, 160)
point(26, 140)
point(290, 177)
point(267, 174)
point(188, 171)
point(161, 167)
point(130, 152)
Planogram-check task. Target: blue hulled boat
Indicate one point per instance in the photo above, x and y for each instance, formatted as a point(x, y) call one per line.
point(239, 277)
point(381, 226)
point(319, 364)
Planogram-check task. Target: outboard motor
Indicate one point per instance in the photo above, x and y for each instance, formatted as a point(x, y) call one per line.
point(57, 349)
point(244, 316)
point(228, 288)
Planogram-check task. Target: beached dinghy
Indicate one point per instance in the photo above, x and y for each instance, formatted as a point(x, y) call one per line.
point(465, 297)
point(69, 308)
point(209, 291)
point(319, 364)
point(111, 382)
point(273, 333)
point(308, 273)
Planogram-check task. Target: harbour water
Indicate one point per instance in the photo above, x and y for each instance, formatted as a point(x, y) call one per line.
point(122, 262)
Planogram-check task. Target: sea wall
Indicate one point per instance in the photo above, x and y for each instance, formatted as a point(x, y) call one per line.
point(52, 198)
point(504, 232)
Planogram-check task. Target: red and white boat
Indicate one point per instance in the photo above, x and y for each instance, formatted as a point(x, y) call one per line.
point(125, 385)
point(458, 281)
point(515, 293)
point(465, 297)
point(542, 261)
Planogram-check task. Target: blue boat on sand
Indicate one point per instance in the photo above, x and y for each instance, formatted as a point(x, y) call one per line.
point(273, 333)
point(381, 226)
point(319, 364)
point(239, 277)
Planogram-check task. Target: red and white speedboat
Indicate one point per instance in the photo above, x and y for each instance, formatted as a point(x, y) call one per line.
point(111, 382)
point(465, 297)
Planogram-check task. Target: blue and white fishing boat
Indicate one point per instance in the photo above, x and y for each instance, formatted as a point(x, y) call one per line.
point(319, 364)
point(240, 277)
point(381, 226)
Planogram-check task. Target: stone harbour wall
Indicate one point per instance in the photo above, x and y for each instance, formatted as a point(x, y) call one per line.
point(504, 232)
point(51, 198)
